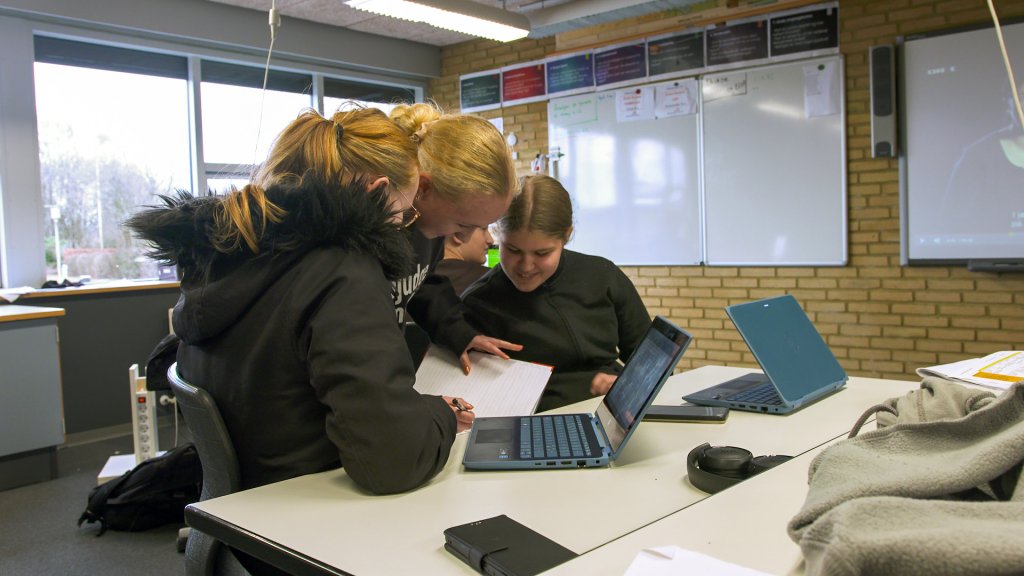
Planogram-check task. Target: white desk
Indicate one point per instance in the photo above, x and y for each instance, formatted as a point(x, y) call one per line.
point(313, 523)
point(744, 525)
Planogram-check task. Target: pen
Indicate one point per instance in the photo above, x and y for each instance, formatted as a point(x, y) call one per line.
point(458, 405)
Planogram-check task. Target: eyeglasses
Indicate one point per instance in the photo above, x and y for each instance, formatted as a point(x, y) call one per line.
point(410, 215)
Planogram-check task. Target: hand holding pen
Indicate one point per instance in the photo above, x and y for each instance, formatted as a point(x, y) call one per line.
point(463, 413)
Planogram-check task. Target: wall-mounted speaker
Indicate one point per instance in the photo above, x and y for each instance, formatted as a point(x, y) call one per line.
point(882, 62)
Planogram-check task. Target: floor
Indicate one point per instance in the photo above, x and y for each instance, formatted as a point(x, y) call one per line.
point(39, 532)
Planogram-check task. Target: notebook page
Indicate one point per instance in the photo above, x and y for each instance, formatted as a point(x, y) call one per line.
point(494, 386)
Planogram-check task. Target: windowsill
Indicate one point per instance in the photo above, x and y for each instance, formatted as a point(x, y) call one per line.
point(103, 287)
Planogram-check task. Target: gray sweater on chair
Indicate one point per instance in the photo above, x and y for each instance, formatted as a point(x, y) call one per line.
point(937, 489)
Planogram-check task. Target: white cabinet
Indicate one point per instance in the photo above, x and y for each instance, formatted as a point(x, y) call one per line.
point(31, 411)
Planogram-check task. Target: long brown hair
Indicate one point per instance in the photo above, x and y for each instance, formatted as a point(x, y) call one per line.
point(542, 206)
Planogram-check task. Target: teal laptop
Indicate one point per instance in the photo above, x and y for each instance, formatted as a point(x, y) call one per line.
point(582, 440)
point(798, 366)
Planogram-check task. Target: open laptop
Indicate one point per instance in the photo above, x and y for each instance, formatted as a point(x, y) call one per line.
point(582, 440)
point(798, 366)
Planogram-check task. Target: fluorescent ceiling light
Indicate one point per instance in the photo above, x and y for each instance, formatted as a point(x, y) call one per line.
point(457, 15)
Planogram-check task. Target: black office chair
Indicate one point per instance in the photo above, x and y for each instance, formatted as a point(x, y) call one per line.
point(206, 556)
point(418, 341)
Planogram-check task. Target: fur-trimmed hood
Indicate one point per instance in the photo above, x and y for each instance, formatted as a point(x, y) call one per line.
point(217, 287)
point(316, 214)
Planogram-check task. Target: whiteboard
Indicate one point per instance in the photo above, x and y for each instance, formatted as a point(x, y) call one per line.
point(635, 183)
point(775, 165)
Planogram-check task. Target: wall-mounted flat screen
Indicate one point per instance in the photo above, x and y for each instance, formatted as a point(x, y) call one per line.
point(963, 146)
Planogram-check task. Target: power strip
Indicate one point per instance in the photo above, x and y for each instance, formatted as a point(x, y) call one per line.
point(144, 424)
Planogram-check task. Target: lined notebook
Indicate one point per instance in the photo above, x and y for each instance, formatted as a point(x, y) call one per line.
point(494, 386)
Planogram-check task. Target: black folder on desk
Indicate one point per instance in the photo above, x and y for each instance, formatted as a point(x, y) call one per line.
point(500, 546)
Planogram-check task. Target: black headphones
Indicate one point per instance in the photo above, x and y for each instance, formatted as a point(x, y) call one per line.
point(715, 468)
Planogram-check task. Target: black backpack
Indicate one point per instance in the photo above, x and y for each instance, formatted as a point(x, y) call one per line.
point(153, 493)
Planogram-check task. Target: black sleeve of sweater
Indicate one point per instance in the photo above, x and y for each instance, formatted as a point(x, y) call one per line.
point(389, 437)
point(438, 310)
point(630, 311)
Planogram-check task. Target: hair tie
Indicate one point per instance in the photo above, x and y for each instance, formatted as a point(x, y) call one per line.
point(339, 131)
point(419, 134)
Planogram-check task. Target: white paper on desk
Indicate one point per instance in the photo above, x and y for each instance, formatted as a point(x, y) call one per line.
point(673, 560)
point(495, 387)
point(1007, 365)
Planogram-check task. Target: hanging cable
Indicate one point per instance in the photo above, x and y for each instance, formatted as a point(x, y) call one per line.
point(1006, 61)
point(274, 19)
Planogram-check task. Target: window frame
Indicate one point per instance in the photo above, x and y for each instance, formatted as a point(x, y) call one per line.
point(22, 261)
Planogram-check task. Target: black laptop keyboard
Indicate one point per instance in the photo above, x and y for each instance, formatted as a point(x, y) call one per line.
point(763, 394)
point(558, 436)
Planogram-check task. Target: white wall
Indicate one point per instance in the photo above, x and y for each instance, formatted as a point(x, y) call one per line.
point(21, 201)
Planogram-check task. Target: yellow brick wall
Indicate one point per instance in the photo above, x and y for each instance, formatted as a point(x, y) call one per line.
point(880, 319)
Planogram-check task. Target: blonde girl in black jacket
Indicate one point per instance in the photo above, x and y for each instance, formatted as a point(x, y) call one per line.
point(286, 316)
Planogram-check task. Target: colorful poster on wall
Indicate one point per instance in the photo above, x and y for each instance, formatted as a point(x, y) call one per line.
point(570, 74)
point(480, 91)
point(737, 43)
point(675, 54)
point(622, 64)
point(523, 83)
point(805, 32)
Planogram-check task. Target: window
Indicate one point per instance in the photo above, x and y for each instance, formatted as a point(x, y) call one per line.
point(338, 93)
point(113, 135)
point(115, 125)
point(236, 112)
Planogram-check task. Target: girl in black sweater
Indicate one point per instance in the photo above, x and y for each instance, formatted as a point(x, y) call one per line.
point(578, 313)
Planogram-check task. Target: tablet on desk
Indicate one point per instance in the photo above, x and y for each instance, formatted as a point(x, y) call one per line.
point(687, 413)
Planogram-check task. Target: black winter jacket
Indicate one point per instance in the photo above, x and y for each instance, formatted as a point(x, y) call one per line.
point(299, 345)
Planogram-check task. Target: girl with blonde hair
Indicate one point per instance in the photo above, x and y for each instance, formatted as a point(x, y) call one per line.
point(285, 314)
point(467, 180)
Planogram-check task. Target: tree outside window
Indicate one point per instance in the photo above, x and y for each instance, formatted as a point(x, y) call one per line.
point(110, 143)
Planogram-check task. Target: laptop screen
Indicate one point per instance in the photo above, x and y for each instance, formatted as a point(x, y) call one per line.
point(647, 369)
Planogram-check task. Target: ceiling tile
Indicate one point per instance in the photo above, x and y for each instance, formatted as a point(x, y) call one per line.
point(396, 28)
point(337, 13)
point(333, 12)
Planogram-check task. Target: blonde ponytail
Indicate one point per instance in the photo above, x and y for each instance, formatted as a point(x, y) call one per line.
point(464, 155)
point(351, 144)
point(242, 217)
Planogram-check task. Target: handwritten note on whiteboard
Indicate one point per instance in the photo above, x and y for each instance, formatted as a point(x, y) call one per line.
point(494, 386)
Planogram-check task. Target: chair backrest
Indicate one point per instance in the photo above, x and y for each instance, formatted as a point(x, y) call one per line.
point(210, 435)
point(418, 341)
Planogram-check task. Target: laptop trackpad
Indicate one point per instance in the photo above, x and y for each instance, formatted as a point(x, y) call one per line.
point(494, 436)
